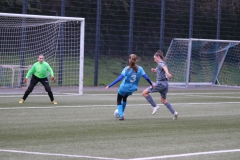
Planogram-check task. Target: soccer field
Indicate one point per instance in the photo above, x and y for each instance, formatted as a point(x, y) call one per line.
point(83, 127)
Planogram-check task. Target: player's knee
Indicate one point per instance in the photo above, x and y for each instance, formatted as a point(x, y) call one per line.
point(163, 101)
point(145, 93)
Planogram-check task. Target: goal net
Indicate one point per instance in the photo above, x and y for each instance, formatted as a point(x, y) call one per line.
point(24, 37)
point(204, 62)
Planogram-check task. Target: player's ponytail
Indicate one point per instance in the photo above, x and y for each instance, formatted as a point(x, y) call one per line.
point(159, 54)
point(133, 59)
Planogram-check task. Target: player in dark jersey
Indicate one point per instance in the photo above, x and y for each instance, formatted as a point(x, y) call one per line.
point(161, 84)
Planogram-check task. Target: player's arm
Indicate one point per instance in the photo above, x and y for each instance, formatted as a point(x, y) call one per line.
point(29, 73)
point(51, 73)
point(166, 71)
point(148, 79)
point(153, 69)
point(115, 81)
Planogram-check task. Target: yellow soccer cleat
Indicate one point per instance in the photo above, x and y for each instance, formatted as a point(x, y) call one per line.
point(21, 101)
point(54, 102)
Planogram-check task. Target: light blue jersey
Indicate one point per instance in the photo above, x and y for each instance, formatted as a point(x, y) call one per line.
point(130, 81)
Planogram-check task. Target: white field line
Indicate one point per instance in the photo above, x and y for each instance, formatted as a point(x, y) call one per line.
point(56, 154)
point(187, 154)
point(135, 94)
point(229, 97)
point(35, 95)
point(105, 158)
point(133, 105)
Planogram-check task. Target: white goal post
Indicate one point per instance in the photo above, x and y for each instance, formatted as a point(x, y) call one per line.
point(204, 62)
point(60, 39)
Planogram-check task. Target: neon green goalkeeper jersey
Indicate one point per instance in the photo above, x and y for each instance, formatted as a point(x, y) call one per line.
point(40, 70)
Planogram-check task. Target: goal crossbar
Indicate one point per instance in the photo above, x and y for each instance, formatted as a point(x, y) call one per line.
point(40, 16)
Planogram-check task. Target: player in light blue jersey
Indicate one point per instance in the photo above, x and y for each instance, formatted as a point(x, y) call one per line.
point(131, 76)
point(161, 84)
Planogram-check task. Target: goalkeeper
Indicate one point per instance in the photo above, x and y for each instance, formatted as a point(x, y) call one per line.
point(39, 74)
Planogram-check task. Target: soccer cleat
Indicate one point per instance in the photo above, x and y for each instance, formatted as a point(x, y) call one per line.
point(21, 101)
point(175, 116)
point(54, 102)
point(155, 109)
point(121, 118)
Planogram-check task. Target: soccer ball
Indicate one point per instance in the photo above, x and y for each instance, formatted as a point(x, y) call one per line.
point(116, 114)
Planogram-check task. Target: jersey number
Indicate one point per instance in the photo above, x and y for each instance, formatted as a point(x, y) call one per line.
point(133, 78)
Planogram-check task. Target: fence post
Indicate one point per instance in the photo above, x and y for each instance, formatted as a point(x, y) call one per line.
point(23, 42)
point(63, 6)
point(130, 41)
point(162, 24)
point(97, 40)
point(191, 19)
point(219, 19)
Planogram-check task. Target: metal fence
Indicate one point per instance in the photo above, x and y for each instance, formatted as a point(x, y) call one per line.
point(118, 28)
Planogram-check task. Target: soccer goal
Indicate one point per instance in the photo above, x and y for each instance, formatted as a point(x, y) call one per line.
point(204, 62)
point(60, 39)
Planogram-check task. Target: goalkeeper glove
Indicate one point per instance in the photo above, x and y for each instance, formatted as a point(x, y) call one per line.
point(54, 79)
point(25, 80)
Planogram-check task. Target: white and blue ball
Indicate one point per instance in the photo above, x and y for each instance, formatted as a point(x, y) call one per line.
point(116, 114)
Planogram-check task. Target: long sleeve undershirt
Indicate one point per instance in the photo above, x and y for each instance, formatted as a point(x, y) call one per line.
point(121, 77)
